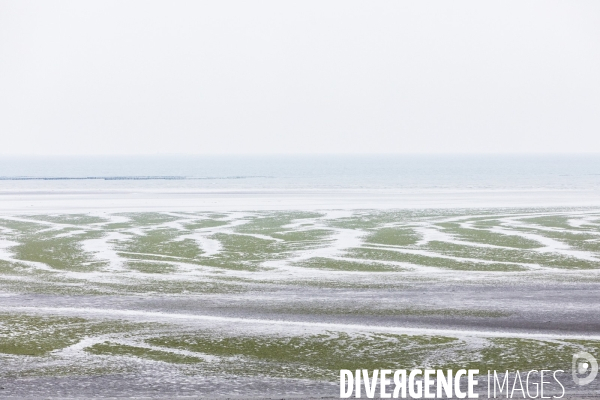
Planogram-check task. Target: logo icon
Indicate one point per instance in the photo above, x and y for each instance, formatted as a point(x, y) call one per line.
point(582, 363)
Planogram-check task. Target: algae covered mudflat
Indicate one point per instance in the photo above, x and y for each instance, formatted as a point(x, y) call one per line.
point(279, 301)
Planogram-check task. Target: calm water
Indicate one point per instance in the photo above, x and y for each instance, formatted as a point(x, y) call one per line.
point(302, 172)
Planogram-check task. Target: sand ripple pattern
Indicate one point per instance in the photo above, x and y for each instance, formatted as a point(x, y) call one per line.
point(287, 298)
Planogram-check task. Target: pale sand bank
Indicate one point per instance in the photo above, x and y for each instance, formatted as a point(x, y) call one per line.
point(67, 201)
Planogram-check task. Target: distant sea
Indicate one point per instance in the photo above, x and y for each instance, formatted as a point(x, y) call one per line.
point(487, 172)
point(293, 182)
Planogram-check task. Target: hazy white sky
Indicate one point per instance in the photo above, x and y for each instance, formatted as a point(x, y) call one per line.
point(120, 77)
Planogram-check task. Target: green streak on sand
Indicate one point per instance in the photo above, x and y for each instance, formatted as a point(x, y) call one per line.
point(61, 253)
point(314, 356)
point(161, 242)
point(503, 354)
point(512, 256)
point(486, 237)
point(149, 267)
point(430, 261)
point(393, 237)
point(272, 222)
point(32, 335)
point(321, 356)
point(116, 349)
point(203, 224)
point(344, 265)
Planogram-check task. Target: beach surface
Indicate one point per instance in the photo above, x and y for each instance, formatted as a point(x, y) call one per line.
point(253, 293)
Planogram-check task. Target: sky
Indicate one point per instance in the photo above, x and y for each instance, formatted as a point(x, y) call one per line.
point(327, 76)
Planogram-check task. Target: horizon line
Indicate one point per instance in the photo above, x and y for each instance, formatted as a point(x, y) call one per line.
point(521, 153)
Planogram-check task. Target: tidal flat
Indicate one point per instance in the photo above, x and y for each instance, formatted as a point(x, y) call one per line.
point(275, 303)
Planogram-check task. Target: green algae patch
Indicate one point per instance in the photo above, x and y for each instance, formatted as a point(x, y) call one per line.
point(393, 237)
point(61, 253)
point(513, 354)
point(480, 234)
point(157, 243)
point(345, 265)
point(318, 356)
point(308, 236)
point(432, 260)
point(271, 222)
point(149, 267)
point(117, 349)
point(505, 256)
point(32, 335)
point(204, 223)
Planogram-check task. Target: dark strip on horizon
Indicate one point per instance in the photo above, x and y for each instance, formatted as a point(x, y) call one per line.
point(116, 178)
